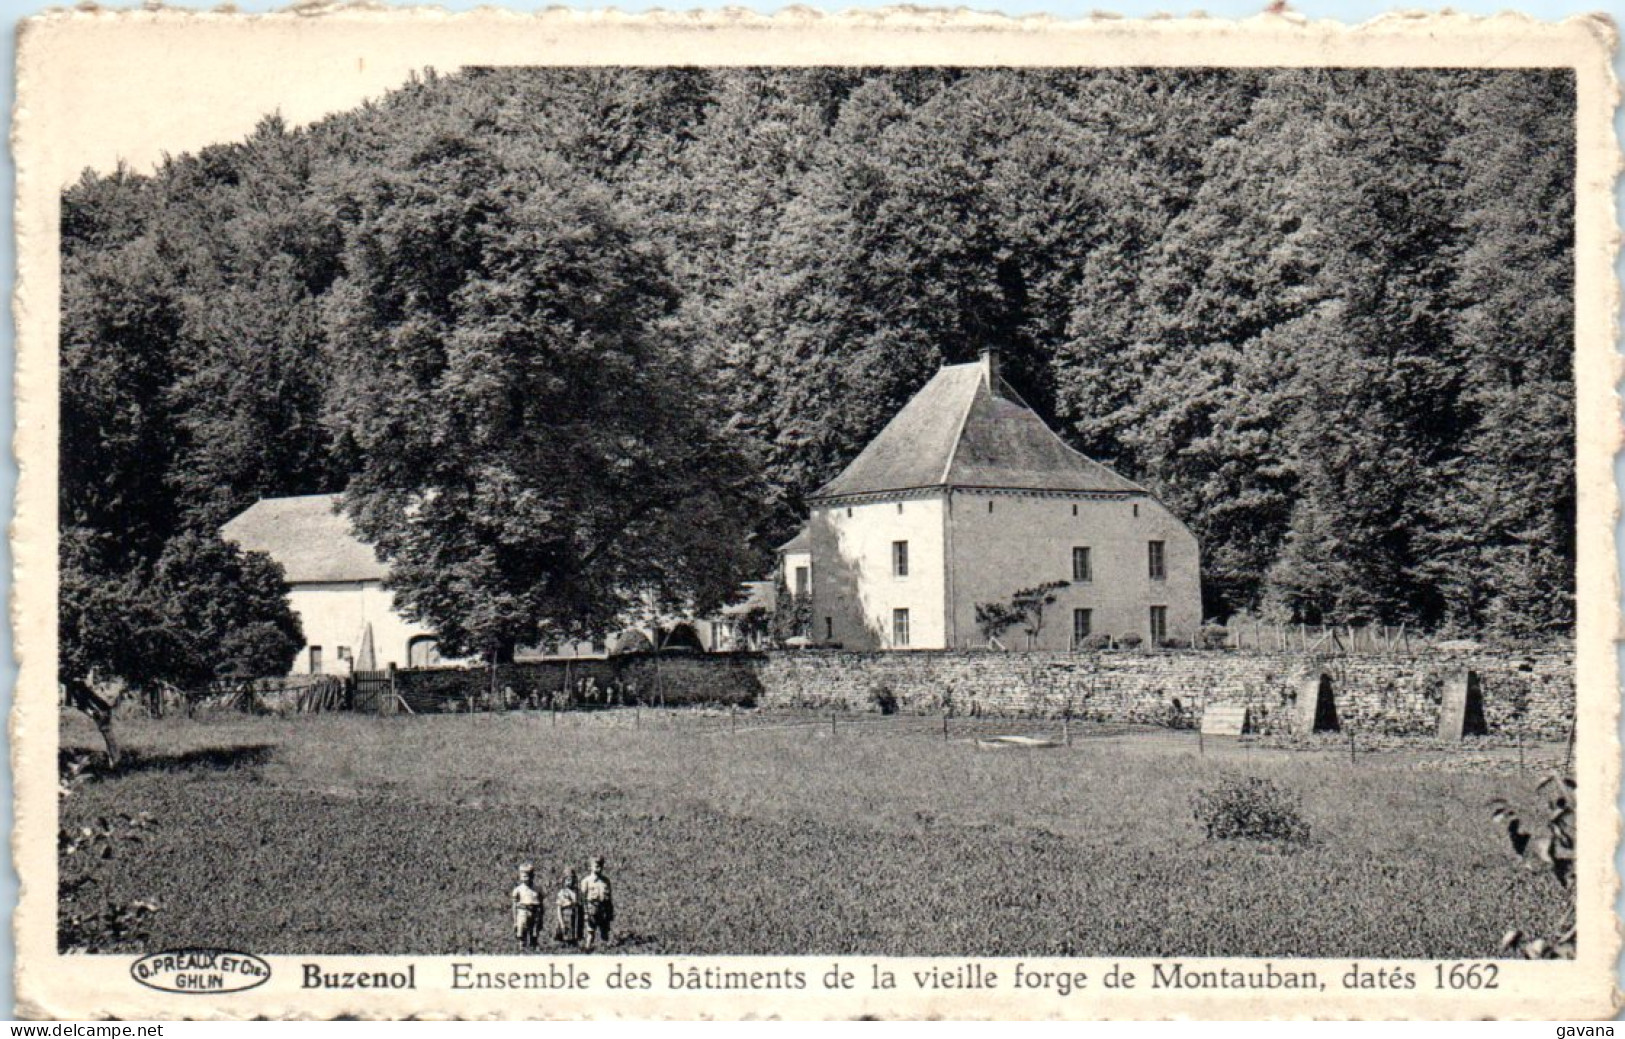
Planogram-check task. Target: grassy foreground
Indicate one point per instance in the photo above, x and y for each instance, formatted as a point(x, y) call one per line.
point(346, 834)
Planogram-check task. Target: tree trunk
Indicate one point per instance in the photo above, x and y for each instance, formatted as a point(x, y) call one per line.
point(82, 697)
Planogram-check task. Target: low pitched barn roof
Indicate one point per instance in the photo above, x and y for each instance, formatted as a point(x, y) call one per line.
point(968, 428)
point(758, 595)
point(313, 542)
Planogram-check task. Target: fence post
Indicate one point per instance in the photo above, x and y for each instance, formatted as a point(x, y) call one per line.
point(832, 723)
point(1351, 746)
point(1519, 732)
point(1066, 729)
point(1201, 739)
point(945, 726)
point(733, 718)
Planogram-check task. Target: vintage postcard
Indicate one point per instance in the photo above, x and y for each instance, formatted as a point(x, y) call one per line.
point(908, 514)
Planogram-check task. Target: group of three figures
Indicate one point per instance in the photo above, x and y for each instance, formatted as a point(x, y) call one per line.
point(582, 912)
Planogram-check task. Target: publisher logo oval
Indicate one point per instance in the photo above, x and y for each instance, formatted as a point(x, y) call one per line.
point(203, 972)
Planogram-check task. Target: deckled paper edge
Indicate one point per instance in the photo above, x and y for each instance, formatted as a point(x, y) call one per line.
point(33, 724)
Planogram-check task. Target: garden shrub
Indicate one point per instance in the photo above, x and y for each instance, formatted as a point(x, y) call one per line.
point(1551, 853)
point(1097, 642)
point(1129, 641)
point(1214, 636)
point(1251, 808)
point(89, 920)
point(1174, 642)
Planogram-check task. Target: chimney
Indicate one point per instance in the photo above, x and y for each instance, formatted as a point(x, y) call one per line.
point(990, 363)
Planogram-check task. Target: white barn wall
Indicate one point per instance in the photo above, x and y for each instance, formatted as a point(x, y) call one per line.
point(1027, 540)
point(334, 614)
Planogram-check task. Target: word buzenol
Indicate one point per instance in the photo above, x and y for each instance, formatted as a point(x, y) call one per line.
point(315, 977)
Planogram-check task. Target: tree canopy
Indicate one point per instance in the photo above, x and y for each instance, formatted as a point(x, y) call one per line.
point(581, 341)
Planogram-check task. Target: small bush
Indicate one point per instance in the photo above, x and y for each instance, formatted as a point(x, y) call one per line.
point(1096, 642)
point(1129, 641)
point(883, 699)
point(1214, 636)
point(1174, 643)
point(1251, 808)
point(1178, 716)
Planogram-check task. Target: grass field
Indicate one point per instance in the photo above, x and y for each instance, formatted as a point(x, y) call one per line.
point(351, 834)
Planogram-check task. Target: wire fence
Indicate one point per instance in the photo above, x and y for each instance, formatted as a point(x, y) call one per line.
point(1507, 748)
point(1511, 750)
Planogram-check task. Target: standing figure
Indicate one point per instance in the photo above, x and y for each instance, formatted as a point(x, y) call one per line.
point(599, 903)
point(527, 908)
point(567, 906)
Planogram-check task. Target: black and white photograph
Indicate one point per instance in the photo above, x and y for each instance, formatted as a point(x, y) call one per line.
point(1003, 514)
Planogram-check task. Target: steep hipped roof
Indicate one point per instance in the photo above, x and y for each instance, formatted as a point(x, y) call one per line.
point(968, 428)
point(311, 541)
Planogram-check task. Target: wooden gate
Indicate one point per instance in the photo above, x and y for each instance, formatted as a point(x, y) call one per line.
point(374, 692)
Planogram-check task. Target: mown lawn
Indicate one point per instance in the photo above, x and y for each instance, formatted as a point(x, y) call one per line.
point(344, 834)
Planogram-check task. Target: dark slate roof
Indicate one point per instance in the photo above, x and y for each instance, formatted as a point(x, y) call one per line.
point(968, 428)
point(313, 542)
point(802, 542)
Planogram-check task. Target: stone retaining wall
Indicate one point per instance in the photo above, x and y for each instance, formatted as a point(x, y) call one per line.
point(1395, 695)
point(1375, 694)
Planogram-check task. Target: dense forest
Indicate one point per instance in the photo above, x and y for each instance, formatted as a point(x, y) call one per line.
point(1326, 315)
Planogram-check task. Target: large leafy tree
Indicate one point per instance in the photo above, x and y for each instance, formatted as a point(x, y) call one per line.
point(537, 458)
point(1501, 535)
point(203, 610)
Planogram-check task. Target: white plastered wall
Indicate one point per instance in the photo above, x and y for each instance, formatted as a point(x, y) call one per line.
point(1027, 540)
point(854, 589)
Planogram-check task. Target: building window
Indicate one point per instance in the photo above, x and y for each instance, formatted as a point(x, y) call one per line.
point(1080, 564)
point(1083, 622)
point(1136, 512)
point(1154, 556)
point(899, 508)
point(899, 627)
point(343, 653)
point(600, 646)
point(990, 505)
point(899, 558)
point(849, 512)
point(801, 580)
point(1159, 625)
point(829, 629)
point(315, 660)
point(1074, 510)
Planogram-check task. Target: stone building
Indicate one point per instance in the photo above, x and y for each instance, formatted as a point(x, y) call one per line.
point(966, 497)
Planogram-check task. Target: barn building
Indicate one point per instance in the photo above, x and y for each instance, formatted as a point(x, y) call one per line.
point(336, 587)
point(966, 497)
